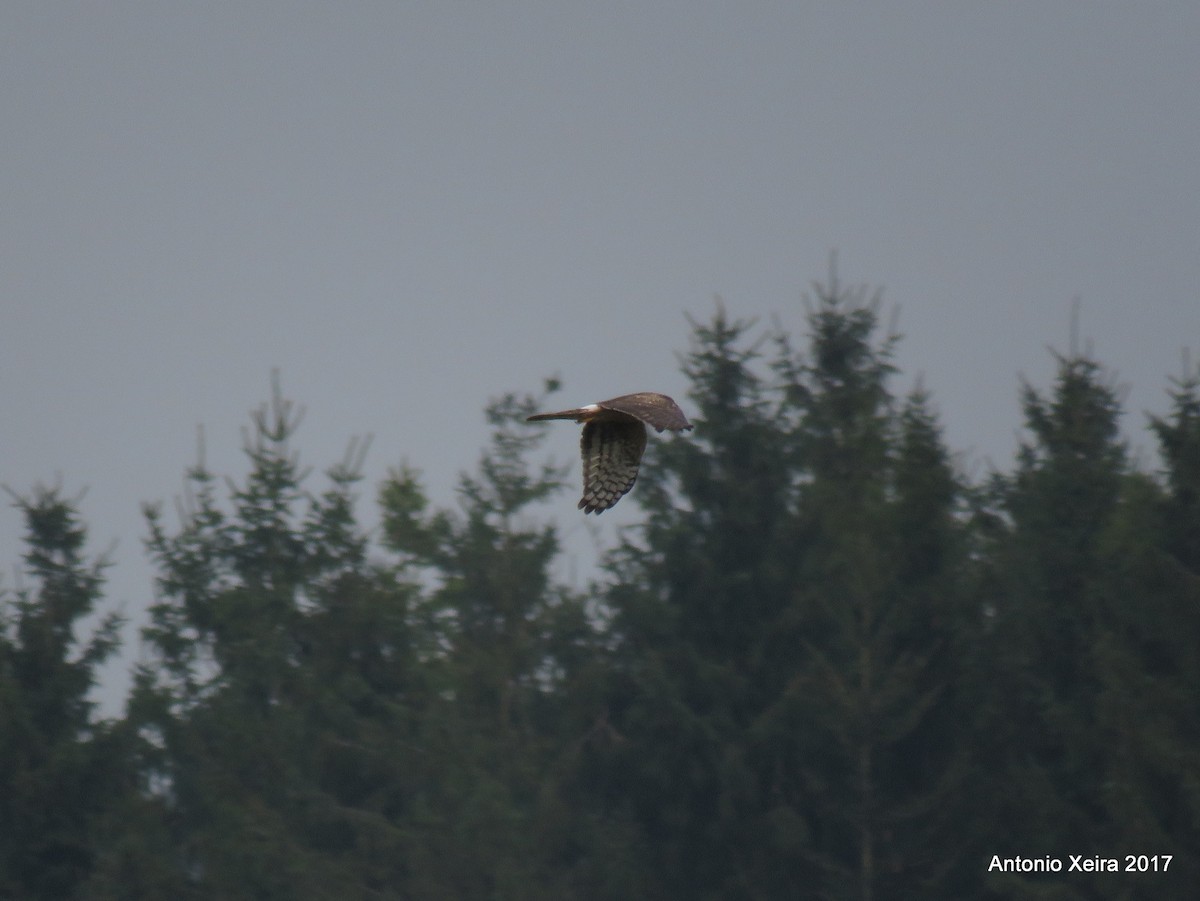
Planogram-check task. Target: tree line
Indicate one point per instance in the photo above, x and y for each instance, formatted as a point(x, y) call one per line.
point(822, 664)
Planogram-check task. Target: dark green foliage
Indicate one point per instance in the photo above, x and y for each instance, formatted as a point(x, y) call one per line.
point(1089, 742)
point(278, 707)
point(787, 622)
point(877, 612)
point(1150, 662)
point(696, 594)
point(1179, 439)
point(59, 770)
point(500, 813)
point(821, 665)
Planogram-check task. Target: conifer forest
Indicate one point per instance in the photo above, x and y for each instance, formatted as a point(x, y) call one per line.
point(823, 662)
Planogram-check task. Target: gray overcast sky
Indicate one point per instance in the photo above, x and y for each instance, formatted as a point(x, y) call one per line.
point(409, 208)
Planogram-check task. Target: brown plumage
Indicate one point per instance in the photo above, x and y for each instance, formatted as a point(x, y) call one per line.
point(614, 436)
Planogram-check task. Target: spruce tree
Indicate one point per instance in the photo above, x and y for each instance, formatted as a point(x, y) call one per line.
point(876, 612)
point(1050, 617)
point(512, 659)
point(61, 767)
point(787, 617)
point(275, 700)
point(696, 593)
point(1149, 660)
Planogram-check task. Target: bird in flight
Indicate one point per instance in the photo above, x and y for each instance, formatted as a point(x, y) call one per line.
point(614, 436)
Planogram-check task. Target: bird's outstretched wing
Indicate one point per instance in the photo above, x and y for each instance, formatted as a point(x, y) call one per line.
point(614, 436)
point(612, 451)
point(656, 410)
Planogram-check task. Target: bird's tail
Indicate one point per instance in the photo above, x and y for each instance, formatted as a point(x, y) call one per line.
point(575, 414)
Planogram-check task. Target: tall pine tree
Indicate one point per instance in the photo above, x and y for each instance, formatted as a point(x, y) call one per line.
point(1063, 563)
point(697, 591)
point(276, 699)
point(60, 769)
point(786, 617)
point(512, 656)
point(876, 613)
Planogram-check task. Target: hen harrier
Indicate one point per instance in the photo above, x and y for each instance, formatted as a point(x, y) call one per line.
point(614, 436)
